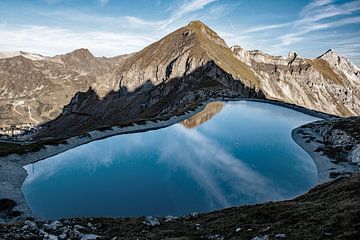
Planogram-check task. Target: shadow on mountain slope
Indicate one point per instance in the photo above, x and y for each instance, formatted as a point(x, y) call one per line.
point(88, 111)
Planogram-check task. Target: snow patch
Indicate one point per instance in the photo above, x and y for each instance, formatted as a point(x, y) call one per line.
point(31, 56)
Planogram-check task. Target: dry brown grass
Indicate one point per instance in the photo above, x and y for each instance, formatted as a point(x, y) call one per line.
point(222, 55)
point(325, 69)
point(200, 43)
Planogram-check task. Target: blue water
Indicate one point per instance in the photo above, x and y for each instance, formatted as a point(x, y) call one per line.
point(243, 155)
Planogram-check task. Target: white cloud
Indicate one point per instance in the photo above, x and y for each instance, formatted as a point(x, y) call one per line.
point(51, 41)
point(315, 4)
point(312, 19)
point(176, 13)
point(186, 8)
point(129, 33)
point(142, 22)
point(326, 11)
point(103, 2)
point(266, 27)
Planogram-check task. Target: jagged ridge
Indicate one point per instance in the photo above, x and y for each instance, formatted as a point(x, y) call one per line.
point(328, 83)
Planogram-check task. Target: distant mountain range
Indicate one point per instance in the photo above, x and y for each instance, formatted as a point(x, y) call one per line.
point(77, 92)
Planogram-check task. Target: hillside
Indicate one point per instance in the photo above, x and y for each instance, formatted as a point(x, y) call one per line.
point(34, 90)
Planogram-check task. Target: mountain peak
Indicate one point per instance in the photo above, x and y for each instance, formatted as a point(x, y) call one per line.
point(78, 55)
point(205, 33)
point(328, 54)
point(82, 53)
point(236, 48)
point(197, 24)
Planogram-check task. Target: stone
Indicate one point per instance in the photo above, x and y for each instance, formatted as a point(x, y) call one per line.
point(265, 237)
point(194, 214)
point(62, 236)
point(89, 237)
point(79, 227)
point(151, 221)
point(31, 224)
point(52, 237)
point(53, 226)
point(170, 218)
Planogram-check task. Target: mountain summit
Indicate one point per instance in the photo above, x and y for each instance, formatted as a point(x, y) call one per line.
point(167, 77)
point(180, 53)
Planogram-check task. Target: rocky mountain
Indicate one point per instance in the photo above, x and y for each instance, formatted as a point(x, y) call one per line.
point(34, 89)
point(77, 92)
point(329, 83)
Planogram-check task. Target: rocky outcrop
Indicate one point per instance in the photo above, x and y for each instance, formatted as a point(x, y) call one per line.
point(343, 135)
point(333, 144)
point(328, 83)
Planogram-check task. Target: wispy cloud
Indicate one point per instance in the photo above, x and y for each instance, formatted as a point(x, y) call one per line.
point(266, 27)
point(130, 34)
point(253, 29)
point(51, 41)
point(186, 8)
point(103, 2)
point(320, 15)
point(315, 4)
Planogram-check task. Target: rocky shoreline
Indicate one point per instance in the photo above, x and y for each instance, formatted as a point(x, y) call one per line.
point(327, 168)
point(12, 173)
point(328, 211)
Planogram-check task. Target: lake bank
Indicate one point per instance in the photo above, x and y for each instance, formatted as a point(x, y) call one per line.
point(14, 163)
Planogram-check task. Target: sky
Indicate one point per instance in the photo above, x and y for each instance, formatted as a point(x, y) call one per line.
point(113, 27)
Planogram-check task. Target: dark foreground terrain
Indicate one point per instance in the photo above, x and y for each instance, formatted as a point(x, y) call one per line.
point(329, 211)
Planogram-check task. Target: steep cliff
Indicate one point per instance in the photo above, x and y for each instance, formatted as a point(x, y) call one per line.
point(328, 83)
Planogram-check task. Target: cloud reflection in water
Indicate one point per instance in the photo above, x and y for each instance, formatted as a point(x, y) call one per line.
point(230, 160)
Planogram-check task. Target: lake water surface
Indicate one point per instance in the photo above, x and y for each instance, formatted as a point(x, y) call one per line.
point(232, 153)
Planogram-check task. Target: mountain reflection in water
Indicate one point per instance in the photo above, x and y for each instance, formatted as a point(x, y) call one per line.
point(206, 114)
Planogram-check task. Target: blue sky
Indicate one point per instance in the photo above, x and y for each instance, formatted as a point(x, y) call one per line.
point(113, 27)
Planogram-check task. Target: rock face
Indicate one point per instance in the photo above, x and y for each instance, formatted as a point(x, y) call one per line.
point(343, 135)
point(333, 144)
point(328, 83)
point(79, 92)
